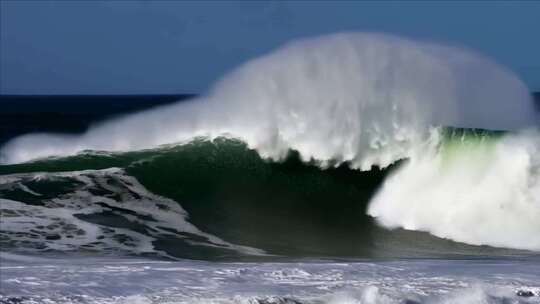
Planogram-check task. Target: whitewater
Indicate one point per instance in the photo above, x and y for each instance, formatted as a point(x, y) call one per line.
point(367, 100)
point(164, 282)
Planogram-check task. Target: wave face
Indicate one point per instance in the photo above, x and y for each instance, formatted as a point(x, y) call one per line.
point(346, 101)
point(214, 200)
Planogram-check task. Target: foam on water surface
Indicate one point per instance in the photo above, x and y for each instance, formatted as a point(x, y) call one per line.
point(314, 282)
point(104, 211)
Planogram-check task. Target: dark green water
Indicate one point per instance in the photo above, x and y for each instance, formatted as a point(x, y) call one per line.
point(288, 209)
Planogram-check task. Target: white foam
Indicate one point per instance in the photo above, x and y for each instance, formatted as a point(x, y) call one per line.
point(480, 193)
point(29, 225)
point(412, 281)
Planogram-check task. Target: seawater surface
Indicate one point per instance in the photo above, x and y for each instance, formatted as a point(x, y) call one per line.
point(88, 280)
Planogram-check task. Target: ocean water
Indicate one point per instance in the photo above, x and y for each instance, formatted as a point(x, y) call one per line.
point(113, 280)
point(320, 173)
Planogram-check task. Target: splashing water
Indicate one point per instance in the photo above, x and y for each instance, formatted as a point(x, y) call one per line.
point(360, 97)
point(480, 191)
point(367, 99)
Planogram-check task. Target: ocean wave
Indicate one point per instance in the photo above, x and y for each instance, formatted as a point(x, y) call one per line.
point(363, 100)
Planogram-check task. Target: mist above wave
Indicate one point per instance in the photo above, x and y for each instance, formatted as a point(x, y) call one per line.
point(365, 98)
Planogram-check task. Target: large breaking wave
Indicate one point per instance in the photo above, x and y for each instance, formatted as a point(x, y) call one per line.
point(367, 100)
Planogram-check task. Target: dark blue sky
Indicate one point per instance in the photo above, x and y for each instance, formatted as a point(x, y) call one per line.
point(129, 47)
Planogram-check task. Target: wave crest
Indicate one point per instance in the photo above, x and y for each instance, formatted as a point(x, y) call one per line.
point(364, 98)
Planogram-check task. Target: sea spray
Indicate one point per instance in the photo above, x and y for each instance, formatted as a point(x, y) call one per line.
point(362, 98)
